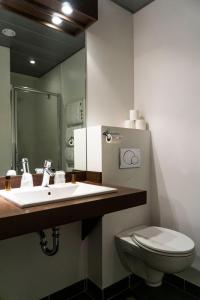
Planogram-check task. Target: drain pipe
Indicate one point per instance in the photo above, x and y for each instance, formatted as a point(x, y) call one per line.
point(44, 242)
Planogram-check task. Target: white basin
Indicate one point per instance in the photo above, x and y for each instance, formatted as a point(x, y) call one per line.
point(25, 197)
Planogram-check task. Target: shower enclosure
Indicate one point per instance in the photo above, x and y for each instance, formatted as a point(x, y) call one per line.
point(36, 128)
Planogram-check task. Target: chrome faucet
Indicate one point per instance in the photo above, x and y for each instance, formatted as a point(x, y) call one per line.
point(25, 165)
point(47, 173)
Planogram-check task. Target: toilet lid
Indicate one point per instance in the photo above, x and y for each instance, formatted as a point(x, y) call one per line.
point(163, 240)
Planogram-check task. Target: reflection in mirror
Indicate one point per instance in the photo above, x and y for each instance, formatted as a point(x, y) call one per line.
point(27, 106)
point(46, 70)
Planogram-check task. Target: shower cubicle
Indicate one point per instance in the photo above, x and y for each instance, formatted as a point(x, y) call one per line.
point(36, 128)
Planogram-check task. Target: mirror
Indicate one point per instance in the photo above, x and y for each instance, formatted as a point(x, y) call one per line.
point(42, 95)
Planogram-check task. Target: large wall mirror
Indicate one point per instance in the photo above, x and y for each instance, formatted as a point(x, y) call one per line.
point(42, 95)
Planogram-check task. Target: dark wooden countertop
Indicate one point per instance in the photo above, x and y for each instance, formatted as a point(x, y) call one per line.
point(16, 221)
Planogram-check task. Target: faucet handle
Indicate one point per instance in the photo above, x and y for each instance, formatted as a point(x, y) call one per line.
point(47, 164)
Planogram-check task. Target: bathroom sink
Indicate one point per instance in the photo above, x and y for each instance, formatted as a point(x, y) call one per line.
point(25, 197)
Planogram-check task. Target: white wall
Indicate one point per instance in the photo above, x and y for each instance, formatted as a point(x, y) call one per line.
point(109, 66)
point(73, 77)
point(5, 113)
point(51, 81)
point(167, 91)
point(26, 273)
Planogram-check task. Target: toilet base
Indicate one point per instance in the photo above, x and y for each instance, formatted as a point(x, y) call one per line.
point(153, 284)
point(153, 277)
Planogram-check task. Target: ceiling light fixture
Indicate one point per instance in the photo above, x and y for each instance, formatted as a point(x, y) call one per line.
point(32, 61)
point(67, 8)
point(8, 32)
point(56, 19)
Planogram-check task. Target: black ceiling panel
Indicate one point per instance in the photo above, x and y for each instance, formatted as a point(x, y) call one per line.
point(33, 40)
point(133, 5)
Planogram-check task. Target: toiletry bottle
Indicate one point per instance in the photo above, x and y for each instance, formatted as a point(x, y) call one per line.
point(73, 178)
point(59, 177)
point(27, 178)
point(8, 183)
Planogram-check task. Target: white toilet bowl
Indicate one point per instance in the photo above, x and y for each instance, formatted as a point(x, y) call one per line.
point(150, 252)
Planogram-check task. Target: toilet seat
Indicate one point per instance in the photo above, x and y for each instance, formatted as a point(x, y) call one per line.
point(163, 241)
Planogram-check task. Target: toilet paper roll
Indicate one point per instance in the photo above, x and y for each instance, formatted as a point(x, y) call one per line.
point(134, 114)
point(140, 124)
point(129, 124)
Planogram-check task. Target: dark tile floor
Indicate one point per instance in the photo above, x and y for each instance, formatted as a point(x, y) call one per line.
point(166, 292)
point(82, 297)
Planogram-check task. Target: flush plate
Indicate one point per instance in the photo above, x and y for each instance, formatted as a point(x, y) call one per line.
point(130, 158)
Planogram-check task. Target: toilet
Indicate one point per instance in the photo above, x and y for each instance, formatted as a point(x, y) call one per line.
point(150, 252)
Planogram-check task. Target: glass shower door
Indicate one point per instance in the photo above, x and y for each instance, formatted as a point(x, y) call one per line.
point(37, 130)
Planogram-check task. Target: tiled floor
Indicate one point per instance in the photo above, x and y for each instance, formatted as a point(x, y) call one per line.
point(82, 297)
point(127, 295)
point(144, 292)
point(165, 292)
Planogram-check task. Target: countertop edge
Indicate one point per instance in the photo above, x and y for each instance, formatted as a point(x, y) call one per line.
point(34, 220)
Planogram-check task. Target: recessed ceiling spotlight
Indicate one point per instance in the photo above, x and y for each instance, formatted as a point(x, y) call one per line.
point(8, 32)
point(56, 19)
point(32, 61)
point(67, 8)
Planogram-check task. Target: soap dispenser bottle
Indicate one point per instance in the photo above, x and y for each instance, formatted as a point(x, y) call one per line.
point(27, 178)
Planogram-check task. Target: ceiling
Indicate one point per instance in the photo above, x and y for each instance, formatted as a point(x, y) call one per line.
point(84, 13)
point(133, 5)
point(47, 46)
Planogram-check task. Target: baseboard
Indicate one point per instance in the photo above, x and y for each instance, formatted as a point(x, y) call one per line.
point(129, 283)
point(68, 292)
point(90, 288)
point(183, 285)
point(109, 292)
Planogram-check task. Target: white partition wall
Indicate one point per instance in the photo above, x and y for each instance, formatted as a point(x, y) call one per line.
point(94, 148)
point(103, 156)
